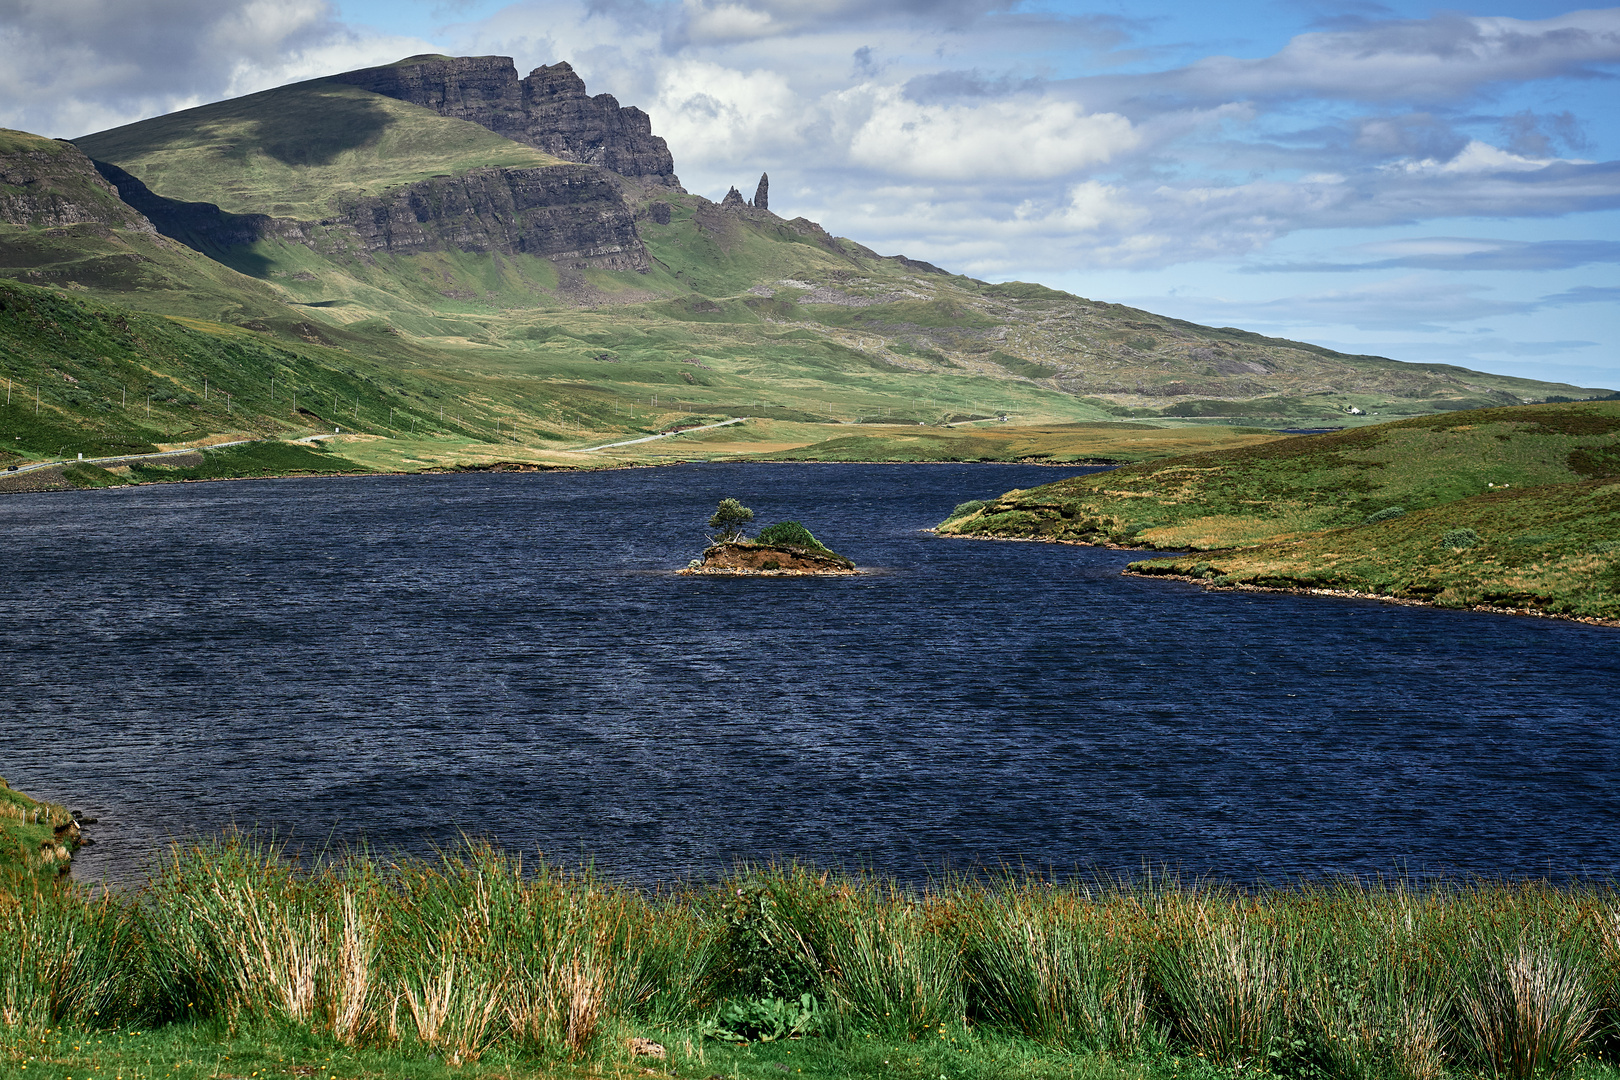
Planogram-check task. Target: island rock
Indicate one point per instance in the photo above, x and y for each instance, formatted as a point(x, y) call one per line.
point(733, 557)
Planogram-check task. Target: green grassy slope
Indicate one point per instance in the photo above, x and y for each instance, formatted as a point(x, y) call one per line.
point(79, 375)
point(1368, 510)
point(65, 226)
point(295, 150)
point(283, 151)
point(742, 312)
point(1111, 442)
point(1550, 549)
point(1318, 481)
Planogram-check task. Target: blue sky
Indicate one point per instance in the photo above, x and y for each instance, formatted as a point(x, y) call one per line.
point(1424, 183)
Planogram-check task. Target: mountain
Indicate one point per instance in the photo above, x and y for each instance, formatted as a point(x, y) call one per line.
point(527, 249)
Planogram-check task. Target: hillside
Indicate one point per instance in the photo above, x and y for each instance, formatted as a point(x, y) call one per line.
point(1374, 510)
point(442, 221)
point(62, 225)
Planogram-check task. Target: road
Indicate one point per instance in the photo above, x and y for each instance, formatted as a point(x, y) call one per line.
point(121, 459)
point(650, 438)
point(124, 459)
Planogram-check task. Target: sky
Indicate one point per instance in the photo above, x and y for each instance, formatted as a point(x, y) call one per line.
point(1430, 184)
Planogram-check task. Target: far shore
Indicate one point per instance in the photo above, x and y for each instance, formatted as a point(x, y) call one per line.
point(1343, 594)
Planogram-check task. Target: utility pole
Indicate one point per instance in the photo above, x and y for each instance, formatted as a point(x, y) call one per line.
point(205, 388)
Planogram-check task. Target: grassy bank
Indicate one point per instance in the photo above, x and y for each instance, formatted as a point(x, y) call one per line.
point(1550, 550)
point(233, 962)
point(1510, 508)
point(36, 838)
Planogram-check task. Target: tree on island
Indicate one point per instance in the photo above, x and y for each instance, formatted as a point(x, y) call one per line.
point(729, 518)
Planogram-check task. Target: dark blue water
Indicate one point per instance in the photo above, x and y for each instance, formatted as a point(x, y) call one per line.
point(402, 659)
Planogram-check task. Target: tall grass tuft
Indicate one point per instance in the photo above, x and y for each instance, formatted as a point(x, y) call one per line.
point(1221, 968)
point(1366, 980)
point(891, 966)
point(1525, 1007)
point(475, 950)
point(236, 930)
point(66, 958)
point(1060, 966)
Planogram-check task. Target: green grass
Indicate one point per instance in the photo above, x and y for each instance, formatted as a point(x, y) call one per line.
point(36, 838)
point(731, 318)
point(234, 961)
point(1543, 549)
point(1313, 482)
point(251, 460)
point(296, 150)
point(1379, 510)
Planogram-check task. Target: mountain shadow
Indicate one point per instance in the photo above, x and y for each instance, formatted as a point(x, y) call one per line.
point(201, 226)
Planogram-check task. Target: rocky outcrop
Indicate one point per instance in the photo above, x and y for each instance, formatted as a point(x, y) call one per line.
point(569, 213)
point(755, 558)
point(50, 184)
point(733, 200)
point(549, 110)
point(572, 214)
point(762, 193)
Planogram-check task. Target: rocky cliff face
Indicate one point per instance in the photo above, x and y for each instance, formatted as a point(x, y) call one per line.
point(549, 110)
point(49, 184)
point(571, 214)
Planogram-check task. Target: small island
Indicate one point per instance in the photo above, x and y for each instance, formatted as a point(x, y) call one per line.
point(784, 549)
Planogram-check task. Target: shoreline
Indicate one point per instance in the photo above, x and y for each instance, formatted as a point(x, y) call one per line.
point(1382, 598)
point(504, 466)
point(1342, 594)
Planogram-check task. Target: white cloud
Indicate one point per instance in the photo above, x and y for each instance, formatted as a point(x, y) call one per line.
point(723, 116)
point(1441, 59)
point(1023, 137)
point(1481, 157)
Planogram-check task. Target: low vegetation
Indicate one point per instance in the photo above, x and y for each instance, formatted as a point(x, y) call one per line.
point(1547, 549)
point(233, 960)
point(251, 460)
point(477, 357)
point(36, 838)
point(1509, 508)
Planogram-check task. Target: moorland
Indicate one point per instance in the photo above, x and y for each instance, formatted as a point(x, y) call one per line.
point(1508, 509)
point(458, 268)
point(475, 280)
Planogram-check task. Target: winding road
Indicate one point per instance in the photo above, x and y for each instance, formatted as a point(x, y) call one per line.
point(122, 459)
point(650, 438)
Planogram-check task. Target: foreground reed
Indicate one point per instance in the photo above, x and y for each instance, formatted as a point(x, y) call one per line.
point(478, 950)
